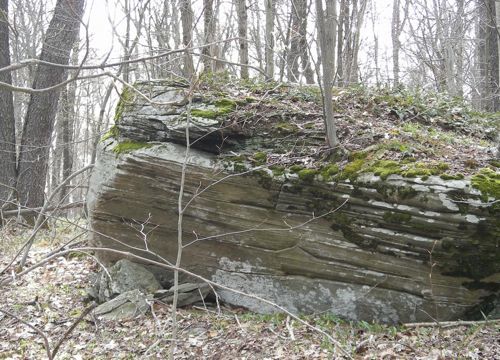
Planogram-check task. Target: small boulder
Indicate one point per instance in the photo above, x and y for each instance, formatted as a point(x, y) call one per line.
point(127, 305)
point(123, 277)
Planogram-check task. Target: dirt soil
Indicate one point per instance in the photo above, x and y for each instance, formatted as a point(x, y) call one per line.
point(51, 298)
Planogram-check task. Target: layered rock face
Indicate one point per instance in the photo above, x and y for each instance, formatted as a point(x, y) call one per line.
point(388, 248)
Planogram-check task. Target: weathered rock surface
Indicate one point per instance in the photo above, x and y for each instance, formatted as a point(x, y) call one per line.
point(127, 305)
point(189, 293)
point(122, 277)
point(395, 250)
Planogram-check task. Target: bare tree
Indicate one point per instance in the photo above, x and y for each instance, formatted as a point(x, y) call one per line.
point(241, 8)
point(40, 116)
point(209, 34)
point(298, 43)
point(352, 14)
point(488, 56)
point(270, 6)
point(325, 21)
point(397, 25)
point(7, 121)
point(187, 35)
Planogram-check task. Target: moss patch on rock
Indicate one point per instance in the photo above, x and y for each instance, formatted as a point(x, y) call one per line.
point(112, 133)
point(307, 175)
point(129, 146)
point(127, 97)
point(488, 182)
point(220, 107)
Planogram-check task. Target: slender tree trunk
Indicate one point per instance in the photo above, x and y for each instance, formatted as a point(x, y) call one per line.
point(293, 55)
point(209, 33)
point(38, 126)
point(303, 46)
point(396, 45)
point(342, 23)
point(187, 36)
point(67, 125)
point(241, 8)
point(327, 48)
point(459, 50)
point(269, 53)
point(126, 45)
point(7, 121)
point(488, 56)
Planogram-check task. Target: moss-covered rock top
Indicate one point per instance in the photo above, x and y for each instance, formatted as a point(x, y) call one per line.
point(279, 126)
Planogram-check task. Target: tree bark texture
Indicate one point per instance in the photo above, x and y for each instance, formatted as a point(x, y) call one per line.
point(33, 162)
point(488, 56)
point(269, 53)
point(241, 8)
point(299, 51)
point(187, 35)
point(327, 49)
point(209, 33)
point(7, 121)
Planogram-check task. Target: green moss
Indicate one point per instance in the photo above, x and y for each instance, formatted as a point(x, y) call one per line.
point(307, 175)
point(328, 171)
point(225, 103)
point(112, 133)
point(285, 128)
point(239, 167)
point(443, 166)
point(352, 169)
point(384, 168)
point(205, 113)
point(222, 107)
point(296, 168)
point(358, 155)
point(128, 146)
point(488, 182)
point(127, 97)
point(452, 177)
point(260, 158)
point(494, 163)
point(277, 170)
point(396, 217)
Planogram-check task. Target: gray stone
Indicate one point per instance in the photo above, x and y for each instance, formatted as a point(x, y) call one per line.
point(189, 293)
point(369, 260)
point(123, 277)
point(127, 305)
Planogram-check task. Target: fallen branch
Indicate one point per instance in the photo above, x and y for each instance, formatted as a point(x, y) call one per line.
point(449, 324)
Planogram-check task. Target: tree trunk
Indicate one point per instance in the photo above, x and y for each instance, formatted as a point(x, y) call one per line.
point(241, 8)
point(303, 46)
point(209, 34)
point(342, 25)
point(396, 45)
point(7, 121)
point(38, 126)
point(327, 48)
point(294, 54)
point(187, 36)
point(488, 58)
point(269, 53)
point(126, 44)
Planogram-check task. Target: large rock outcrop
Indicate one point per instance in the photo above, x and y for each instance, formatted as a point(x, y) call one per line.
point(392, 247)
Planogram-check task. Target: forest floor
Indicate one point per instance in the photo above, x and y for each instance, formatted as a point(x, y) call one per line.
point(51, 298)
